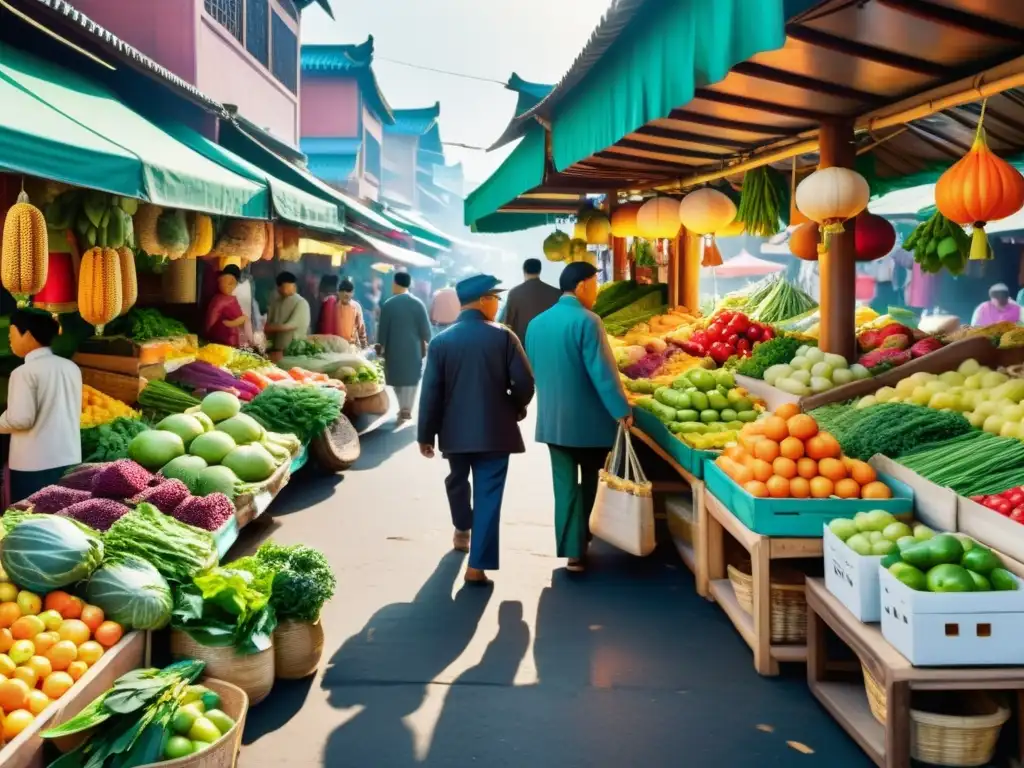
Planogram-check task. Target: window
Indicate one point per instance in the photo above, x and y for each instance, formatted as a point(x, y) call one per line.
point(371, 158)
point(228, 13)
point(257, 30)
point(285, 59)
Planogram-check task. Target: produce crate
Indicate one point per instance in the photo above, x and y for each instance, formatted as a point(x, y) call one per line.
point(690, 459)
point(988, 527)
point(249, 506)
point(225, 536)
point(933, 629)
point(119, 386)
point(26, 750)
point(934, 505)
point(149, 352)
point(128, 366)
point(852, 578)
point(799, 517)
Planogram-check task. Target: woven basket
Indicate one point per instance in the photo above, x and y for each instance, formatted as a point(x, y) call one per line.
point(962, 740)
point(224, 752)
point(298, 646)
point(788, 602)
point(253, 673)
point(179, 282)
point(337, 447)
point(375, 405)
point(876, 695)
point(360, 389)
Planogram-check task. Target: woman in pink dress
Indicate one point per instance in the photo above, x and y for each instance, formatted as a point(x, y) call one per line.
point(327, 324)
point(224, 316)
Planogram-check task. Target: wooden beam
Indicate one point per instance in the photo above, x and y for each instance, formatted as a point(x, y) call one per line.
point(620, 259)
point(858, 50)
point(672, 134)
point(957, 19)
point(838, 266)
point(690, 273)
point(805, 83)
point(760, 105)
point(721, 122)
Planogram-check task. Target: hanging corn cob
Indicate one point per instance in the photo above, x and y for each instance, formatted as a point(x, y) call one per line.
point(99, 287)
point(268, 248)
point(25, 253)
point(200, 236)
point(129, 281)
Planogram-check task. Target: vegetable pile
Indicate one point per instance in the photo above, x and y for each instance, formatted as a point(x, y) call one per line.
point(778, 300)
point(303, 411)
point(1009, 503)
point(729, 334)
point(973, 464)
point(769, 353)
point(302, 579)
point(162, 397)
point(108, 442)
point(227, 607)
point(99, 408)
point(892, 429)
point(203, 378)
point(144, 324)
point(178, 551)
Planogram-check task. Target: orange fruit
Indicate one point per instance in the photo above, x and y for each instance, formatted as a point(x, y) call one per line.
point(848, 488)
point(29, 675)
point(73, 607)
point(741, 474)
point(876, 490)
point(22, 651)
point(9, 613)
point(766, 450)
point(802, 426)
point(77, 668)
point(822, 446)
point(778, 487)
point(75, 630)
point(90, 652)
point(799, 488)
point(62, 654)
point(27, 627)
point(56, 601)
point(92, 617)
point(13, 695)
point(57, 684)
point(756, 488)
point(16, 722)
point(807, 468)
point(821, 487)
point(762, 470)
point(833, 469)
point(6, 640)
point(862, 472)
point(784, 467)
point(792, 448)
point(7, 666)
point(831, 445)
point(733, 452)
point(37, 702)
point(41, 665)
point(44, 641)
point(774, 428)
point(108, 633)
point(752, 428)
point(787, 410)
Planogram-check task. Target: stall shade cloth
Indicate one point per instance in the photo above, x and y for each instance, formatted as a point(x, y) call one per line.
point(391, 253)
point(656, 64)
point(522, 170)
point(84, 121)
point(290, 204)
point(747, 265)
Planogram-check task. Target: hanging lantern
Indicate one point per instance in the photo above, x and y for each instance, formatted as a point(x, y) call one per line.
point(583, 216)
point(874, 235)
point(980, 187)
point(60, 292)
point(598, 229)
point(658, 218)
point(704, 212)
point(830, 196)
point(624, 222)
point(556, 246)
point(804, 241)
point(577, 250)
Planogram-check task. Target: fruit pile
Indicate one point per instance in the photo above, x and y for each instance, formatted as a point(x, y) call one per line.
point(787, 456)
point(198, 724)
point(1009, 503)
point(729, 334)
point(701, 401)
point(877, 533)
point(813, 371)
point(948, 563)
point(45, 646)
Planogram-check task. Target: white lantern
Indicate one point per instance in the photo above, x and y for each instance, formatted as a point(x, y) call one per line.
point(658, 218)
point(704, 212)
point(830, 196)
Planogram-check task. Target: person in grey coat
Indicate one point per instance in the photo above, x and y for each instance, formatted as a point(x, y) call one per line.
point(402, 337)
point(528, 299)
point(476, 387)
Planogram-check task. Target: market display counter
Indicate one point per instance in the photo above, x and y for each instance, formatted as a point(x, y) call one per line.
point(26, 750)
point(889, 745)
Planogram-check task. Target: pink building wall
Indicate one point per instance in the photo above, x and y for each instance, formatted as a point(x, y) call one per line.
point(330, 107)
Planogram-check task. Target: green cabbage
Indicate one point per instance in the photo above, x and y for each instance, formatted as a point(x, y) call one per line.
point(131, 592)
point(45, 553)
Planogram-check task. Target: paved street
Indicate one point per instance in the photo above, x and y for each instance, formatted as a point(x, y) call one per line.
point(625, 666)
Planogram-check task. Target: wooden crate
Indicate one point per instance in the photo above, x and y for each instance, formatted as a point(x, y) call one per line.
point(249, 506)
point(125, 388)
point(148, 353)
point(128, 366)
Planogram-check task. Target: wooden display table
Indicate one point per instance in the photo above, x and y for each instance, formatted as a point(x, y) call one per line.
point(888, 745)
point(691, 552)
point(754, 629)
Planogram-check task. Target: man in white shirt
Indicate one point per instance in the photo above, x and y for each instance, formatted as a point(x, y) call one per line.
point(44, 407)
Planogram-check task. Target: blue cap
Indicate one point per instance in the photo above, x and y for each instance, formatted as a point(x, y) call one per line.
point(476, 287)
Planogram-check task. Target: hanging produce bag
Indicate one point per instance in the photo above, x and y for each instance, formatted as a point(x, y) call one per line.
point(623, 513)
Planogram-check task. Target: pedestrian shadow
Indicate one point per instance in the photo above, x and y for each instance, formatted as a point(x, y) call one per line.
point(380, 675)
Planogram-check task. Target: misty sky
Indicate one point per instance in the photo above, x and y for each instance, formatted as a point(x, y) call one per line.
point(489, 38)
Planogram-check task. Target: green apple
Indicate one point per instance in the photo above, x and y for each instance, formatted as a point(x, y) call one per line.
point(843, 528)
point(874, 536)
point(896, 531)
point(860, 544)
point(922, 532)
point(969, 367)
point(883, 547)
point(876, 520)
point(953, 378)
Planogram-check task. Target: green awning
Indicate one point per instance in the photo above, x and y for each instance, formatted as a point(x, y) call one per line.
point(499, 223)
point(290, 204)
point(656, 64)
point(66, 127)
point(420, 229)
point(522, 170)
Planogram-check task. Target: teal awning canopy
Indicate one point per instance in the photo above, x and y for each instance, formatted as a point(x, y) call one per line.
point(499, 223)
point(522, 170)
point(60, 125)
point(420, 229)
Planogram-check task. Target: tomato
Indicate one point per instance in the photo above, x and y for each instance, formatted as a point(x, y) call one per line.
point(738, 324)
point(725, 317)
point(695, 349)
point(1017, 515)
point(732, 340)
point(767, 333)
point(979, 499)
point(720, 352)
point(713, 333)
point(754, 332)
point(1015, 497)
point(700, 337)
point(1003, 507)
point(743, 347)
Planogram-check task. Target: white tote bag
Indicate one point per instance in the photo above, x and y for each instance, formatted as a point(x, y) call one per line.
point(623, 513)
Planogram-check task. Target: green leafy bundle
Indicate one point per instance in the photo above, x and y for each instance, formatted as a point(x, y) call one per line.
point(109, 442)
point(303, 579)
point(303, 411)
point(180, 552)
point(143, 324)
point(892, 429)
point(775, 351)
point(228, 607)
point(129, 722)
point(304, 348)
point(975, 463)
point(764, 199)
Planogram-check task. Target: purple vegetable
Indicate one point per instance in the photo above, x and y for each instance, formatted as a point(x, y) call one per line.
point(645, 367)
point(165, 496)
point(96, 513)
point(81, 477)
point(206, 512)
point(53, 498)
point(120, 479)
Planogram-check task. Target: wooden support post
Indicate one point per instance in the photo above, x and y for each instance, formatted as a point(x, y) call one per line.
point(689, 295)
point(620, 263)
point(838, 266)
point(675, 255)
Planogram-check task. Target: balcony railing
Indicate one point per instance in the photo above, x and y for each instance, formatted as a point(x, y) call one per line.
point(264, 33)
point(229, 14)
point(285, 59)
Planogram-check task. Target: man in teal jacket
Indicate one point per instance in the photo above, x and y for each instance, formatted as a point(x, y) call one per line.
point(580, 403)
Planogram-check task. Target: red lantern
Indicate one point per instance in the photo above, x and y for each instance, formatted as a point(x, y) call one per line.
point(875, 237)
point(60, 292)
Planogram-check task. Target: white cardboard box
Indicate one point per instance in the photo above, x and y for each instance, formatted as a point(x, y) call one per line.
point(852, 578)
point(934, 505)
point(933, 629)
point(990, 528)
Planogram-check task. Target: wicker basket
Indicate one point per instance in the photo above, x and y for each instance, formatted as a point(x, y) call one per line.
point(876, 695)
point(375, 405)
point(253, 673)
point(298, 646)
point(964, 739)
point(224, 752)
point(788, 601)
point(337, 447)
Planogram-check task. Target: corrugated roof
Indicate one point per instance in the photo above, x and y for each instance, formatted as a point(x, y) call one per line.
point(415, 122)
point(349, 60)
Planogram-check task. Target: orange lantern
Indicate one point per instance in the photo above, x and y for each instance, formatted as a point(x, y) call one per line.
point(804, 241)
point(60, 291)
point(704, 212)
point(658, 218)
point(624, 223)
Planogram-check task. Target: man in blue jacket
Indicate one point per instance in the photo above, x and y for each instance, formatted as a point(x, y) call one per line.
point(580, 403)
point(476, 387)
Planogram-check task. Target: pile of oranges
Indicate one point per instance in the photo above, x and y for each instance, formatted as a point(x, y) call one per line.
point(786, 456)
point(45, 646)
